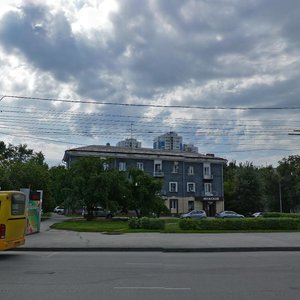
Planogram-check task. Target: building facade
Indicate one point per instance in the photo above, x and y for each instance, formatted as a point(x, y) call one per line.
point(129, 143)
point(190, 148)
point(190, 180)
point(169, 141)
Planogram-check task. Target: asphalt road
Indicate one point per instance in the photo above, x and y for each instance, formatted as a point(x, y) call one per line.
point(144, 275)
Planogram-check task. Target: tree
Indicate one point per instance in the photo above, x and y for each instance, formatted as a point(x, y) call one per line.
point(144, 196)
point(60, 187)
point(118, 191)
point(289, 175)
point(249, 189)
point(230, 186)
point(19, 153)
point(21, 167)
point(243, 188)
point(89, 183)
point(270, 186)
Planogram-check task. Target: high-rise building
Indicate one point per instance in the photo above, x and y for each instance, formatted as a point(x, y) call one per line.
point(190, 148)
point(168, 141)
point(129, 143)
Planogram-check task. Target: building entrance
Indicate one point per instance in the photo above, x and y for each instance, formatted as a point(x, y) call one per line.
point(210, 208)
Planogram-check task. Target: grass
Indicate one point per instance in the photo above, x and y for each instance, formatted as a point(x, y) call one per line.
point(110, 226)
point(120, 226)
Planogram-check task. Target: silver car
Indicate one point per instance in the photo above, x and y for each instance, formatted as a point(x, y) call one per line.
point(99, 212)
point(194, 214)
point(228, 214)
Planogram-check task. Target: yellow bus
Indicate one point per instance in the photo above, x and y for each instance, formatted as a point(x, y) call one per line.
point(12, 219)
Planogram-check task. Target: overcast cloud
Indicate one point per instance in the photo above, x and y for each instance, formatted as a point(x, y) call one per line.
point(222, 53)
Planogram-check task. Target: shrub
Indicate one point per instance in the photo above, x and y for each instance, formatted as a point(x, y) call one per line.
point(134, 223)
point(146, 223)
point(241, 224)
point(280, 215)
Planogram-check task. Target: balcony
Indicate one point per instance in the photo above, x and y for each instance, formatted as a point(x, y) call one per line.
point(213, 193)
point(158, 174)
point(208, 176)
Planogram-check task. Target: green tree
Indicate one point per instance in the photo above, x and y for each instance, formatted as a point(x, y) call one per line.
point(89, 183)
point(118, 192)
point(230, 186)
point(60, 187)
point(19, 153)
point(33, 175)
point(249, 189)
point(5, 182)
point(289, 175)
point(21, 167)
point(270, 186)
point(144, 196)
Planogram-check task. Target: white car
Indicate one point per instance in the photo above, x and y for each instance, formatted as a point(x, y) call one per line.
point(59, 210)
point(257, 214)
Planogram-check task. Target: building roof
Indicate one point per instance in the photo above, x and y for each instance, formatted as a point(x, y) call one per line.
point(114, 151)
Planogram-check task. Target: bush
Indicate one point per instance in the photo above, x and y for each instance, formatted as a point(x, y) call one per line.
point(146, 223)
point(241, 224)
point(134, 223)
point(280, 215)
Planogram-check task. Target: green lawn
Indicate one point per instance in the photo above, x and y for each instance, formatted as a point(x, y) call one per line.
point(121, 226)
point(110, 226)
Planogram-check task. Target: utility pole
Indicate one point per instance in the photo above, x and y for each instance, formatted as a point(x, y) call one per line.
point(280, 200)
point(131, 135)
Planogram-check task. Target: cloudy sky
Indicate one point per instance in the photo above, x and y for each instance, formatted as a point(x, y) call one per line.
point(224, 74)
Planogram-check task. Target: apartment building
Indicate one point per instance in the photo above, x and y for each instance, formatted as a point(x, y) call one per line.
point(190, 180)
point(168, 141)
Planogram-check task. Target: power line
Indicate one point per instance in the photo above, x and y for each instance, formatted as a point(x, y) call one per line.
point(150, 105)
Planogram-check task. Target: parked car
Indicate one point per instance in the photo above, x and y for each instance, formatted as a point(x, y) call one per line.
point(59, 210)
point(228, 214)
point(194, 214)
point(257, 214)
point(99, 212)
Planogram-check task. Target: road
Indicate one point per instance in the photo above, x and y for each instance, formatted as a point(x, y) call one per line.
point(144, 275)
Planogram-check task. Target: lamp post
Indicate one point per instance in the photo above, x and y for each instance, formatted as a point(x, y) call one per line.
point(280, 200)
point(279, 189)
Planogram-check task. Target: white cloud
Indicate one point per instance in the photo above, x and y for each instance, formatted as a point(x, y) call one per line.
point(197, 53)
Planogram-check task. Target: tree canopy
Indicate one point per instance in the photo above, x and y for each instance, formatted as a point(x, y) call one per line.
point(89, 183)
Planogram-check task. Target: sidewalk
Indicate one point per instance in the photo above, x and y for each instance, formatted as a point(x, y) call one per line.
point(59, 240)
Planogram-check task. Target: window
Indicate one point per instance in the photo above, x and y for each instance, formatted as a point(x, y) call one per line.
point(173, 203)
point(157, 166)
point(122, 166)
point(175, 167)
point(105, 166)
point(207, 189)
point(18, 204)
point(173, 187)
point(206, 169)
point(140, 166)
point(191, 205)
point(191, 170)
point(191, 187)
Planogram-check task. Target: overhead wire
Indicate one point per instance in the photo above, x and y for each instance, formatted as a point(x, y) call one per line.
point(112, 125)
point(149, 105)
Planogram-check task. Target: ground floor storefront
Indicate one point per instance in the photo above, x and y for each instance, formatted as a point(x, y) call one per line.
point(211, 205)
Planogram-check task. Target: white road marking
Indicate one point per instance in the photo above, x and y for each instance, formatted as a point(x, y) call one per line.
point(151, 288)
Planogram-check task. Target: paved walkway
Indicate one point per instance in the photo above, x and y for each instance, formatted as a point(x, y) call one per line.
point(60, 240)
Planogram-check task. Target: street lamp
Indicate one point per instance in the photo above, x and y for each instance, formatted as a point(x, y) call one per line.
point(280, 200)
point(279, 189)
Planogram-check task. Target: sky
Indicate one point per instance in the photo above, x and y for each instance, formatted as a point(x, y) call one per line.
point(223, 74)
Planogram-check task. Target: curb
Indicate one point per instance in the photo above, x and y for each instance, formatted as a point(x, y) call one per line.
point(158, 249)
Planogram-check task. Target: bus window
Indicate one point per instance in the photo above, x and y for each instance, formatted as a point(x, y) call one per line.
point(17, 204)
